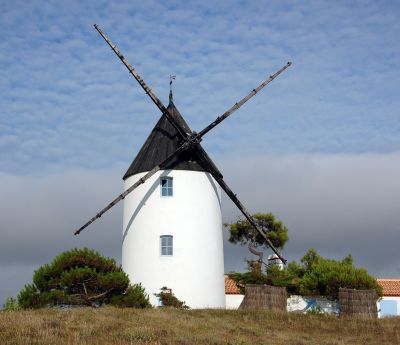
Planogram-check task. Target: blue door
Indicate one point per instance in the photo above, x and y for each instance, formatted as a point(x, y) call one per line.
point(388, 308)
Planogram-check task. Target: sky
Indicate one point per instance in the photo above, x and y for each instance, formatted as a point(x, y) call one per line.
point(319, 147)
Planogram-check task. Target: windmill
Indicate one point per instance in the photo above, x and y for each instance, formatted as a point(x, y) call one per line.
point(172, 227)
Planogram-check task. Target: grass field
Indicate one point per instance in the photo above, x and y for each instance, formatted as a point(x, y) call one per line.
point(168, 326)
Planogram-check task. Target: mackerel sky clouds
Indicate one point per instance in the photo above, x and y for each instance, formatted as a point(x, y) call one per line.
point(323, 137)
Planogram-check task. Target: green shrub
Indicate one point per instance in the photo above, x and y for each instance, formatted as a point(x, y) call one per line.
point(11, 304)
point(79, 277)
point(134, 297)
point(168, 299)
point(316, 310)
point(326, 276)
point(288, 277)
point(29, 297)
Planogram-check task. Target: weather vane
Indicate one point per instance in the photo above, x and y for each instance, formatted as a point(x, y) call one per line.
point(171, 78)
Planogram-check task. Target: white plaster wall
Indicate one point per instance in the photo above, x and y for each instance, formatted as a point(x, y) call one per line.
point(195, 272)
point(389, 298)
point(233, 301)
point(296, 303)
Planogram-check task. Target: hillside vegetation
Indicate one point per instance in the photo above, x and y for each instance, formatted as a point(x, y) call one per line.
point(313, 276)
point(110, 325)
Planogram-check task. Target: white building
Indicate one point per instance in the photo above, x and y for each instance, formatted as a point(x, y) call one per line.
point(233, 296)
point(172, 226)
point(389, 305)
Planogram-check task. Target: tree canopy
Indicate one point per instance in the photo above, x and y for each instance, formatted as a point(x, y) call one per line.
point(81, 277)
point(242, 231)
point(325, 276)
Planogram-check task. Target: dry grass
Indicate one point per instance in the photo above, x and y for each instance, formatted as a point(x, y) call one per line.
point(129, 326)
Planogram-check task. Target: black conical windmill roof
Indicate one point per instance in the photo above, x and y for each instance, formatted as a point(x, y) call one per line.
point(163, 141)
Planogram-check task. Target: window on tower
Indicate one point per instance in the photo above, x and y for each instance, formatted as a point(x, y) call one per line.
point(166, 245)
point(166, 186)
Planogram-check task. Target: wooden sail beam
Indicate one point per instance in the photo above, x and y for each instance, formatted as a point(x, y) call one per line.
point(142, 180)
point(237, 105)
point(142, 83)
point(208, 164)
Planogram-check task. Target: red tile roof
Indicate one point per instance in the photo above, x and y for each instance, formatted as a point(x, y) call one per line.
point(231, 287)
point(391, 287)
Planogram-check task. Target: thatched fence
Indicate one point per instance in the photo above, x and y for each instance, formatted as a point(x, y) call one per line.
point(351, 302)
point(264, 297)
point(358, 303)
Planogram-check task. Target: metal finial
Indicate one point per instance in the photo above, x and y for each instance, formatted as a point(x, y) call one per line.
point(171, 78)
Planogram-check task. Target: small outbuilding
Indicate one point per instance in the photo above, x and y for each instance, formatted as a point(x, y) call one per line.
point(389, 305)
point(233, 297)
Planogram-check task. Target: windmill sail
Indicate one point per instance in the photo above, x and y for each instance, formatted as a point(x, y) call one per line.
point(172, 145)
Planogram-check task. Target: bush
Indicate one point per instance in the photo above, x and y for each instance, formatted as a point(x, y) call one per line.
point(168, 299)
point(29, 298)
point(275, 276)
point(11, 304)
point(252, 276)
point(134, 297)
point(326, 276)
point(78, 277)
point(288, 277)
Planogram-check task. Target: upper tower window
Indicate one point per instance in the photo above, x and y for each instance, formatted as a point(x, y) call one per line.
point(166, 186)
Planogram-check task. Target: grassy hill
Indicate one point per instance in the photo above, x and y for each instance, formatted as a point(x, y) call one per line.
point(167, 326)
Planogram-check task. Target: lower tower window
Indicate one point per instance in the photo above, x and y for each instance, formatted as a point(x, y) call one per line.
point(166, 245)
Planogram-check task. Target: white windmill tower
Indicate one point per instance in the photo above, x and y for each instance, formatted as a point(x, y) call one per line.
point(172, 224)
point(172, 231)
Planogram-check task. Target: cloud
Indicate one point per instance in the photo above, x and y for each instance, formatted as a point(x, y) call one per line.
point(338, 204)
point(66, 99)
